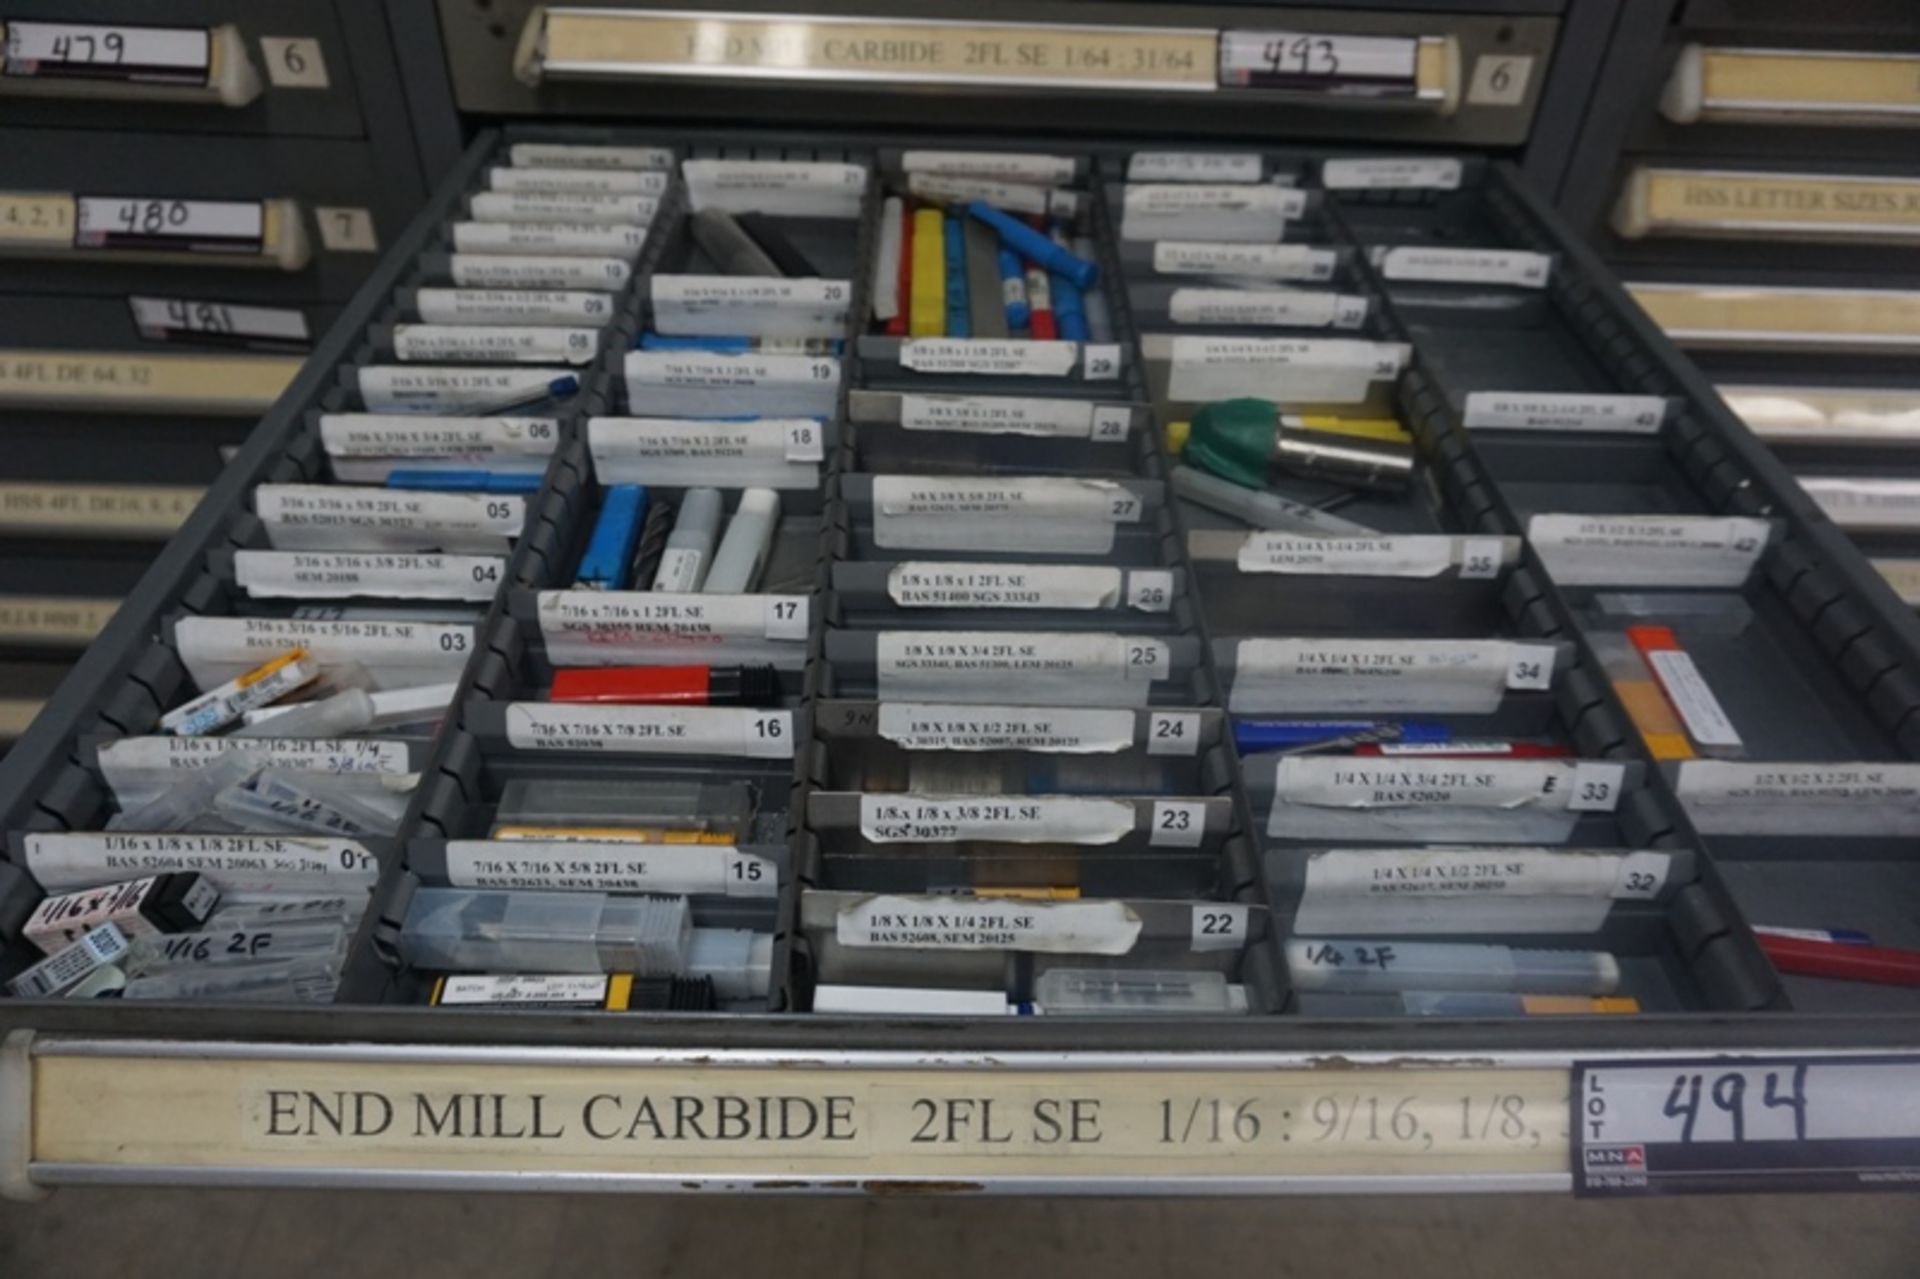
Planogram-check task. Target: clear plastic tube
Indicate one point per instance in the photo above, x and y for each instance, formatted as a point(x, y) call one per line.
point(1093, 992)
point(187, 804)
point(457, 930)
point(343, 713)
point(292, 981)
point(1259, 508)
point(1378, 967)
point(223, 947)
point(296, 802)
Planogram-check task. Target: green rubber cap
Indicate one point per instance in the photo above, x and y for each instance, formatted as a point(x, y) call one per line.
point(1234, 439)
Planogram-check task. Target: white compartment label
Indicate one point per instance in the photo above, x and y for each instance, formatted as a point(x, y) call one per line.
point(1014, 197)
point(1648, 550)
point(1475, 872)
point(942, 584)
point(719, 370)
point(927, 726)
point(216, 649)
point(580, 307)
point(1010, 819)
point(1299, 308)
point(389, 389)
point(321, 754)
point(1465, 266)
point(646, 450)
point(950, 923)
point(1434, 676)
point(651, 730)
point(570, 239)
point(564, 155)
point(1337, 370)
point(1412, 172)
point(331, 516)
point(1463, 890)
point(1010, 415)
point(1848, 798)
point(568, 207)
point(1415, 555)
point(1193, 166)
point(793, 188)
point(609, 866)
point(722, 303)
point(498, 270)
point(602, 180)
point(398, 435)
point(1075, 669)
point(1101, 501)
point(1359, 782)
point(462, 341)
point(236, 863)
point(1251, 261)
point(1023, 166)
point(595, 627)
point(1064, 515)
point(1528, 411)
point(333, 574)
point(999, 357)
point(1179, 199)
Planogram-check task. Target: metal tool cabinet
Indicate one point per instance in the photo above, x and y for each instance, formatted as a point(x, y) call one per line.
point(1818, 323)
point(363, 1092)
point(303, 104)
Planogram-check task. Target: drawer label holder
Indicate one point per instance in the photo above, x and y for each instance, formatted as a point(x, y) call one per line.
point(260, 1113)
